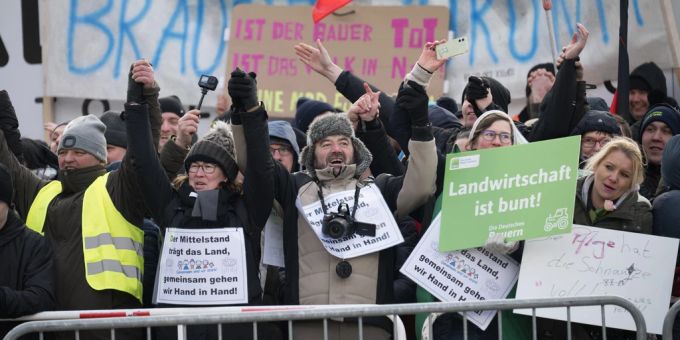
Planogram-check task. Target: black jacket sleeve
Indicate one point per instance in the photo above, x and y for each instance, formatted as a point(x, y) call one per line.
point(152, 180)
point(385, 158)
point(352, 87)
point(259, 177)
point(558, 115)
point(405, 288)
point(36, 286)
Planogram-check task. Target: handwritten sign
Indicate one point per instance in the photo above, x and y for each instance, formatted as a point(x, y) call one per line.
point(474, 274)
point(379, 44)
point(372, 209)
point(526, 197)
point(595, 261)
point(202, 267)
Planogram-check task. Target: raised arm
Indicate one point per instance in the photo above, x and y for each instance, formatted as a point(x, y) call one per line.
point(141, 73)
point(560, 113)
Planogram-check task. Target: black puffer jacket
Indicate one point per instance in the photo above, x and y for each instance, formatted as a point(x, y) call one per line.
point(27, 280)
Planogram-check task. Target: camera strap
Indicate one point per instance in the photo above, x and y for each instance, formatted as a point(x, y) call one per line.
point(323, 203)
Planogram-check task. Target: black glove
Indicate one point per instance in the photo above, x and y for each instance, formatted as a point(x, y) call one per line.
point(413, 99)
point(477, 88)
point(242, 88)
point(10, 125)
point(135, 90)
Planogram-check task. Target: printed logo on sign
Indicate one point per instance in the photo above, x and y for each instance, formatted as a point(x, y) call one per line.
point(464, 162)
point(193, 266)
point(557, 220)
point(458, 264)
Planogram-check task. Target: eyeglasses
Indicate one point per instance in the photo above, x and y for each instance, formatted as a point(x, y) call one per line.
point(206, 167)
point(282, 150)
point(504, 137)
point(590, 142)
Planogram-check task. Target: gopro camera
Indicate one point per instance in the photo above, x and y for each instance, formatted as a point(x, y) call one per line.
point(208, 82)
point(341, 224)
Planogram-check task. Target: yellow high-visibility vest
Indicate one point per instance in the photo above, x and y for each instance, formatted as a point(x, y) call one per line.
point(112, 246)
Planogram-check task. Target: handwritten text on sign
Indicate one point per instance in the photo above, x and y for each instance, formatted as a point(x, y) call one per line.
point(595, 261)
point(372, 209)
point(475, 274)
point(379, 44)
point(202, 267)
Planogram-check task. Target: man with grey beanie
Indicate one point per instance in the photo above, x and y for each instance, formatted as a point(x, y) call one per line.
point(340, 236)
point(91, 218)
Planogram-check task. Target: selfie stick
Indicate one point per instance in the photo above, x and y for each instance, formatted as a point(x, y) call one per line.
point(204, 91)
point(547, 6)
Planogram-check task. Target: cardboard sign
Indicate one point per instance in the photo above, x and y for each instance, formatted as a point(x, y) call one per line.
point(521, 192)
point(202, 267)
point(595, 261)
point(372, 209)
point(378, 44)
point(471, 274)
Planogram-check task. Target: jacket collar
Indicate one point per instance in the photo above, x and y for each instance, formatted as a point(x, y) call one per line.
point(13, 228)
point(79, 179)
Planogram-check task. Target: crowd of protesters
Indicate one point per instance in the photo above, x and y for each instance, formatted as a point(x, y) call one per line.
point(82, 219)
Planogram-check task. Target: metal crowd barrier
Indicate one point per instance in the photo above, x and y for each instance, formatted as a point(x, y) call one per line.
point(182, 317)
point(669, 320)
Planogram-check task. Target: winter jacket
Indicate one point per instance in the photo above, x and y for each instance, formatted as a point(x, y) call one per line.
point(27, 267)
point(665, 207)
point(172, 208)
point(633, 214)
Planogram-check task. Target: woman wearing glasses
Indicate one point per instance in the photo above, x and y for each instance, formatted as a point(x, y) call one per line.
point(230, 214)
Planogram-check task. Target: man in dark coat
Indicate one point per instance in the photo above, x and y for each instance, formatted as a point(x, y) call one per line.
point(27, 280)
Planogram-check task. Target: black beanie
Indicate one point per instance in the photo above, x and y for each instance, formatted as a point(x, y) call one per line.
point(597, 121)
point(116, 133)
point(6, 186)
point(307, 111)
point(172, 104)
point(661, 113)
point(448, 103)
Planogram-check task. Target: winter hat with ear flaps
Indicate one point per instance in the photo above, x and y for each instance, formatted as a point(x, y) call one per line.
point(332, 125)
point(216, 147)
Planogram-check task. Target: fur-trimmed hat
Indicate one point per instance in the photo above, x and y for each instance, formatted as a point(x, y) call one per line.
point(331, 125)
point(216, 147)
point(85, 133)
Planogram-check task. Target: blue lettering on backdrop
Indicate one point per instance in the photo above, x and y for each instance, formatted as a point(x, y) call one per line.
point(477, 19)
point(453, 17)
point(513, 29)
point(195, 48)
point(125, 29)
point(638, 15)
point(91, 19)
point(183, 10)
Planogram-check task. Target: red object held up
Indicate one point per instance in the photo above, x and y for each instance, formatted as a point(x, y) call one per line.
point(547, 5)
point(323, 8)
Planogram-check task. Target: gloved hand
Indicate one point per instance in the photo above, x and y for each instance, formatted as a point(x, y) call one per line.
point(497, 244)
point(135, 90)
point(413, 99)
point(242, 88)
point(477, 88)
point(10, 125)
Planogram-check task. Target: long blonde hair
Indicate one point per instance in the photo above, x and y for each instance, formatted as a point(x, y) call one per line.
point(629, 148)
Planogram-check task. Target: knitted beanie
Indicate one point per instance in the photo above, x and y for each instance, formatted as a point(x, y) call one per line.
point(172, 104)
point(661, 113)
point(216, 147)
point(85, 133)
point(595, 120)
point(116, 133)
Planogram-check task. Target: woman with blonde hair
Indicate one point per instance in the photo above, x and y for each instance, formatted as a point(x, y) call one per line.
point(609, 198)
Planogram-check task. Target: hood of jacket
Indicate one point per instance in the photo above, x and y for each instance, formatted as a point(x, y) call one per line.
point(670, 163)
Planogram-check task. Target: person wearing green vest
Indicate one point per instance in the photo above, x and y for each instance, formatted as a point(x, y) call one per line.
point(91, 218)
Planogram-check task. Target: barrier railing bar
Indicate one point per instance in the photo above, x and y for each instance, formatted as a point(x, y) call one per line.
point(395, 325)
point(333, 311)
point(568, 323)
point(290, 329)
point(325, 329)
point(604, 328)
point(500, 324)
point(361, 328)
point(534, 329)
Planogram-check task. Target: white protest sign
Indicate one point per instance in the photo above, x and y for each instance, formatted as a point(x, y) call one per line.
point(273, 241)
point(202, 267)
point(475, 274)
point(372, 209)
point(595, 261)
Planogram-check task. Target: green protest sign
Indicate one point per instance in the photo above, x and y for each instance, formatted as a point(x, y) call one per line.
point(521, 192)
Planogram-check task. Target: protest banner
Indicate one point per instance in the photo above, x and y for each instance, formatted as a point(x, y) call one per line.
point(372, 209)
point(596, 261)
point(521, 192)
point(378, 44)
point(202, 267)
point(471, 274)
